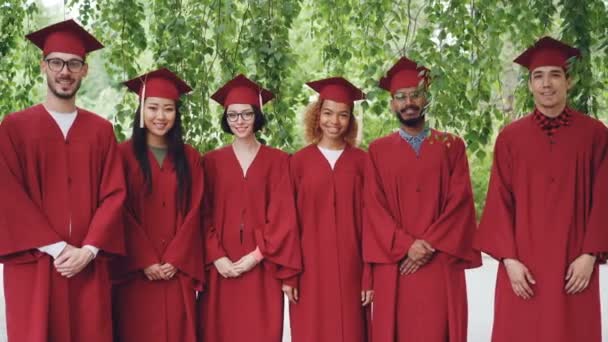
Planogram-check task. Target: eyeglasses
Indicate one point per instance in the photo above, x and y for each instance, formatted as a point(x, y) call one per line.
point(234, 116)
point(57, 64)
point(414, 95)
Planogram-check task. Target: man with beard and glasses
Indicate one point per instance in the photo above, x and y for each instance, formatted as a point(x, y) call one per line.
point(419, 221)
point(546, 213)
point(61, 205)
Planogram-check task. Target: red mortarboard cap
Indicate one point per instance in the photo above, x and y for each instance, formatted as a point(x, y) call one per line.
point(66, 36)
point(547, 52)
point(243, 91)
point(337, 89)
point(404, 74)
point(159, 83)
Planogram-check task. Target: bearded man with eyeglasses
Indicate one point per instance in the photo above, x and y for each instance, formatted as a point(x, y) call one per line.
point(61, 203)
point(420, 221)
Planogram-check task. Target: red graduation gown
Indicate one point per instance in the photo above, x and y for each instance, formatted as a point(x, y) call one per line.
point(240, 214)
point(547, 204)
point(48, 181)
point(157, 232)
point(329, 205)
point(410, 197)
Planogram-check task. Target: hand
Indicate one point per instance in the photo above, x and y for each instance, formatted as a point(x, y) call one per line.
point(291, 293)
point(72, 260)
point(169, 270)
point(408, 266)
point(367, 296)
point(520, 277)
point(420, 252)
point(226, 268)
point(155, 272)
point(245, 264)
point(579, 273)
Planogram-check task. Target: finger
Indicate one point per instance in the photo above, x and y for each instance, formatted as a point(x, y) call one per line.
point(427, 246)
point(522, 292)
point(529, 277)
point(362, 296)
point(368, 298)
point(580, 285)
point(61, 259)
point(570, 284)
point(527, 289)
point(296, 295)
point(414, 269)
point(570, 272)
point(574, 287)
point(516, 290)
point(408, 267)
point(402, 266)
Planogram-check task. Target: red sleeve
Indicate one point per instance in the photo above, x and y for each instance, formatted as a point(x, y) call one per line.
point(367, 282)
point(596, 232)
point(212, 246)
point(453, 231)
point(23, 227)
point(495, 235)
point(384, 241)
point(106, 230)
point(185, 250)
point(293, 176)
point(278, 238)
point(140, 252)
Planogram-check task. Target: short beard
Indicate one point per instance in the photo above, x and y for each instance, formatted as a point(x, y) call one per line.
point(68, 96)
point(414, 122)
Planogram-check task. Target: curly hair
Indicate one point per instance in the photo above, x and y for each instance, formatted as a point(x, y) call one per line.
point(312, 131)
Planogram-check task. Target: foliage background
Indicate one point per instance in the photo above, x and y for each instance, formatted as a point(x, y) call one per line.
point(468, 45)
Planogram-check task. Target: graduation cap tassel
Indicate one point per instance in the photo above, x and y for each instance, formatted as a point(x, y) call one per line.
point(141, 105)
point(260, 98)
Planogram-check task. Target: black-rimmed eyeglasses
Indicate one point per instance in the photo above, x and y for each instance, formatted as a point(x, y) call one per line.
point(234, 116)
point(57, 64)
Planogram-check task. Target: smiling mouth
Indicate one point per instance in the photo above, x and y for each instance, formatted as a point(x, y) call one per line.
point(65, 83)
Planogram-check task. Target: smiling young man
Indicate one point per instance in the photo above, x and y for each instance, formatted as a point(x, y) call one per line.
point(420, 221)
point(546, 211)
point(61, 206)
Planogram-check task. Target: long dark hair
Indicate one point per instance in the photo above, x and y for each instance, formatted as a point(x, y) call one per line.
point(176, 150)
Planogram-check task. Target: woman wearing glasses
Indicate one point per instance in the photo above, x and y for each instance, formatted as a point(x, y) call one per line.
point(335, 287)
point(252, 245)
point(154, 292)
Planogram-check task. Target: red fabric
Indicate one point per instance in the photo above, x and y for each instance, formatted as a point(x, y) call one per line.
point(410, 197)
point(337, 89)
point(547, 52)
point(48, 179)
point(159, 83)
point(241, 213)
point(157, 232)
point(66, 36)
point(404, 74)
point(547, 204)
point(241, 90)
point(329, 204)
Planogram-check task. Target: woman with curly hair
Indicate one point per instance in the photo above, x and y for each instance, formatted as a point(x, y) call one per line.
point(335, 287)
